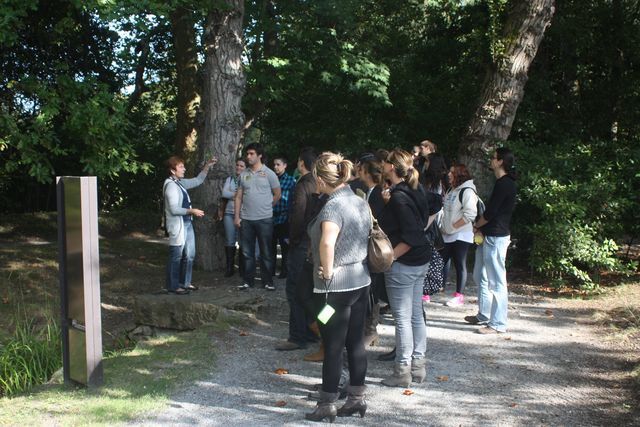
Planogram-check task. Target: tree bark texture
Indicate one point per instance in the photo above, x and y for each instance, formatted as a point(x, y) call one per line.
point(224, 86)
point(188, 98)
point(504, 88)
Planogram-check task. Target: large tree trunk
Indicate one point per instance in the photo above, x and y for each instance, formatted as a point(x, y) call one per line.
point(224, 86)
point(188, 99)
point(504, 88)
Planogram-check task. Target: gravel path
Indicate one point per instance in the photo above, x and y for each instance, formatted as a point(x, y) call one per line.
point(550, 369)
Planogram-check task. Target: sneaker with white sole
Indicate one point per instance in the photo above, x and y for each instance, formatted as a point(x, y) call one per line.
point(456, 301)
point(269, 287)
point(243, 287)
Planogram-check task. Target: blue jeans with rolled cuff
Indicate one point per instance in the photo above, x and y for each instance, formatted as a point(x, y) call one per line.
point(404, 288)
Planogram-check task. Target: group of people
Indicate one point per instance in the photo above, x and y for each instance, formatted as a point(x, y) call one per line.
point(331, 293)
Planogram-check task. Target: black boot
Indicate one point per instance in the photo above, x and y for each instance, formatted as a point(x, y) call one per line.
point(355, 402)
point(230, 253)
point(326, 408)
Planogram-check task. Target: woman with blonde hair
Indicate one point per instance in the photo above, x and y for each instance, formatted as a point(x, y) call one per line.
point(339, 237)
point(404, 219)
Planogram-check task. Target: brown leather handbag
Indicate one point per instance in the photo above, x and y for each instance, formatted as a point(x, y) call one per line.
point(379, 250)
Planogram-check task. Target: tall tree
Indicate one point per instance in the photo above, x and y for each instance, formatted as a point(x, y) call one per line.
point(224, 86)
point(188, 87)
point(504, 85)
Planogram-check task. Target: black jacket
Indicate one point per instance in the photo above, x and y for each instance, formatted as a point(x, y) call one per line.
point(302, 209)
point(403, 219)
point(500, 207)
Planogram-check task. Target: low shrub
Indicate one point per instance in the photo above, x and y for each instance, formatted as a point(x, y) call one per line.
point(576, 200)
point(30, 357)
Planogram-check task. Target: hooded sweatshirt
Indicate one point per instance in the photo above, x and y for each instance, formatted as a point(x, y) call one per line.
point(453, 210)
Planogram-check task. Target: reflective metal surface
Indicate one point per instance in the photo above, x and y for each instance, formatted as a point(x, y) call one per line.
point(80, 279)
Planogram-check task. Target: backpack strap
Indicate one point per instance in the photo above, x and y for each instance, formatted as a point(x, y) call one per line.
point(462, 192)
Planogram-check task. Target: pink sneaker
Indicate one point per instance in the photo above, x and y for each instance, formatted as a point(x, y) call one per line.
point(426, 298)
point(456, 301)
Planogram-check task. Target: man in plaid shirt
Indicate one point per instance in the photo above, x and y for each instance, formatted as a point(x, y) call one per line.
point(281, 213)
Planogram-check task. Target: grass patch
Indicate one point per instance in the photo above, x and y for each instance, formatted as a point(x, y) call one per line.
point(136, 381)
point(30, 357)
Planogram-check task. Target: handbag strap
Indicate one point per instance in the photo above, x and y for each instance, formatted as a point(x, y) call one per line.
point(374, 221)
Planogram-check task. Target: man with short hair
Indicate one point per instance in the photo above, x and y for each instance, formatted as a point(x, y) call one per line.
point(426, 147)
point(303, 206)
point(258, 191)
point(281, 213)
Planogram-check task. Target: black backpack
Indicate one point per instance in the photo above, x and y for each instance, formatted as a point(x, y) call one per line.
point(479, 205)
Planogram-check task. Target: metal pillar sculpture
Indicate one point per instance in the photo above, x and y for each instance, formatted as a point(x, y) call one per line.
point(80, 280)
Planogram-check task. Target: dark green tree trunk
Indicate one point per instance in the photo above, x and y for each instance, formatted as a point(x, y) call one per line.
point(224, 86)
point(504, 87)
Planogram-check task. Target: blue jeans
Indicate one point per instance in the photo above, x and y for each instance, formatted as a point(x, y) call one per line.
point(180, 265)
point(230, 230)
point(490, 274)
point(404, 288)
point(261, 229)
point(299, 320)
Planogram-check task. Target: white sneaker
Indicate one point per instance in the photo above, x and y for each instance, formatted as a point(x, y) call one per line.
point(243, 287)
point(456, 301)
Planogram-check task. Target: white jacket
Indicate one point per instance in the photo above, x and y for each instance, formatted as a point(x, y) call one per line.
point(173, 209)
point(453, 210)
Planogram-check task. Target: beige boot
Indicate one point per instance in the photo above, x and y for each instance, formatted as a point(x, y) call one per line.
point(401, 376)
point(418, 370)
point(318, 356)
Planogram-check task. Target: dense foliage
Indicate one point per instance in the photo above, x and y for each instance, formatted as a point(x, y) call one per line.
point(579, 142)
point(91, 87)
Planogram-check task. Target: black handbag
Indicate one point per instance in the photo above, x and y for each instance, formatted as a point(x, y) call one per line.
point(434, 237)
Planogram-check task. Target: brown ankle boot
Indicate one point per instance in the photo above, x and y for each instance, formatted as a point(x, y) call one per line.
point(314, 328)
point(326, 408)
point(355, 402)
point(318, 356)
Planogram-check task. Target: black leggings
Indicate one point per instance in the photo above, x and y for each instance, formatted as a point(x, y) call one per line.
point(344, 329)
point(458, 252)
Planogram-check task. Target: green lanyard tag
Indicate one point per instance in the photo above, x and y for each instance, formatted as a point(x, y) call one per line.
point(325, 314)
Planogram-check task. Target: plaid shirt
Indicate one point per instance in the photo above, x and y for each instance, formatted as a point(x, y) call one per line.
point(281, 209)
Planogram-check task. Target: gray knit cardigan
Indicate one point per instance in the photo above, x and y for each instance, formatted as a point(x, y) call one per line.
point(351, 214)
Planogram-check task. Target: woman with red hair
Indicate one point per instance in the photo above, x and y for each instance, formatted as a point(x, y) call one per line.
point(459, 213)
